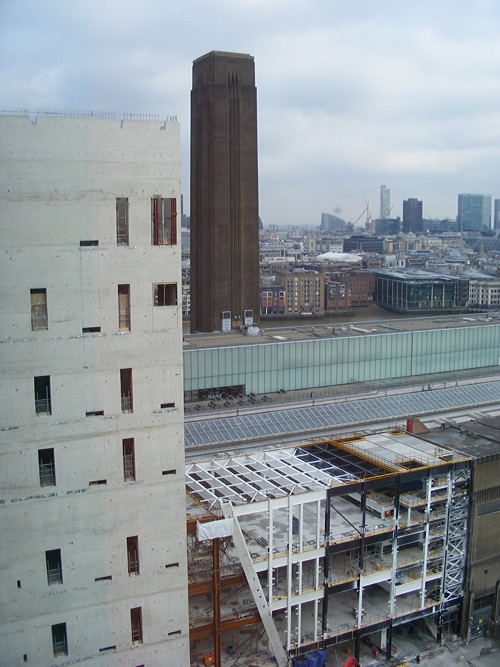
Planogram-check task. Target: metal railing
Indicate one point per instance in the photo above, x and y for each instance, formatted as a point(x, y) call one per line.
point(43, 406)
point(54, 575)
point(122, 232)
point(39, 319)
point(47, 474)
point(60, 647)
point(128, 467)
point(124, 319)
point(127, 403)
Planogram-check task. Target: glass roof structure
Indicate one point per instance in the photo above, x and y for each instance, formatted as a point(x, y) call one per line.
point(276, 473)
point(291, 421)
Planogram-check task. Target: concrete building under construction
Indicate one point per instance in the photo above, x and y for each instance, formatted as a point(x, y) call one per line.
point(335, 542)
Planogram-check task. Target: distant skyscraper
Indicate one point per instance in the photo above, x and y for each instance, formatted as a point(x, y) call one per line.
point(474, 213)
point(496, 215)
point(385, 202)
point(332, 223)
point(224, 192)
point(412, 216)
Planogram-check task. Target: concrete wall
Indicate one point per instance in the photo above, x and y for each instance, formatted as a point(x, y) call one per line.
point(60, 180)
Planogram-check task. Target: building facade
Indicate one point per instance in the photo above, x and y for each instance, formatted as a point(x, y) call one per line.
point(385, 202)
point(414, 291)
point(351, 356)
point(412, 216)
point(496, 215)
point(474, 213)
point(304, 293)
point(93, 564)
point(224, 193)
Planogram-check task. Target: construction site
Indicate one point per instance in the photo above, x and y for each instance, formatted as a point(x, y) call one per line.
point(337, 543)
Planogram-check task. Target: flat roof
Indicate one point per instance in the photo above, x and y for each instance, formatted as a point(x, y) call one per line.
point(479, 438)
point(317, 329)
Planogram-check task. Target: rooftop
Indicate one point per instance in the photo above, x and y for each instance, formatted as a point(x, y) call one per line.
point(479, 438)
point(321, 329)
point(276, 473)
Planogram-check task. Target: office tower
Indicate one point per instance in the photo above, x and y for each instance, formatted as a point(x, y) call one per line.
point(332, 223)
point(412, 216)
point(385, 202)
point(224, 193)
point(93, 558)
point(474, 213)
point(496, 215)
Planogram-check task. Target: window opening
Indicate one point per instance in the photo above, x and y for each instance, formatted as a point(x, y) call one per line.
point(39, 316)
point(133, 554)
point(42, 395)
point(136, 624)
point(59, 639)
point(165, 294)
point(88, 244)
point(122, 221)
point(54, 566)
point(46, 467)
point(128, 459)
point(163, 221)
point(124, 307)
point(91, 329)
point(126, 389)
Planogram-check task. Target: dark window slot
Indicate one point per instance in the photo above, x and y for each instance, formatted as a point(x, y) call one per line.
point(39, 316)
point(46, 467)
point(128, 446)
point(107, 648)
point(43, 404)
point(163, 221)
point(54, 566)
point(174, 632)
point(126, 390)
point(167, 405)
point(122, 221)
point(98, 481)
point(136, 624)
point(133, 554)
point(124, 307)
point(172, 565)
point(88, 244)
point(95, 413)
point(107, 578)
point(59, 639)
point(165, 294)
point(91, 329)
point(169, 472)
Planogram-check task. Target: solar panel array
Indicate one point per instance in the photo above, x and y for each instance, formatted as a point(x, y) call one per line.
point(317, 418)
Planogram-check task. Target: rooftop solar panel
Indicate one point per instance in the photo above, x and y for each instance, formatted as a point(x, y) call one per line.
point(297, 420)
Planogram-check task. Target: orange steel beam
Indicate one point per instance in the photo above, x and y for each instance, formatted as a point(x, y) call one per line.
point(207, 586)
point(204, 631)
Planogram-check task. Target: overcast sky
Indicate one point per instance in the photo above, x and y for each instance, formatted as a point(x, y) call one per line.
point(352, 94)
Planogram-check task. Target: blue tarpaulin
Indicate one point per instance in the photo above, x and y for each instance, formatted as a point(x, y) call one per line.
point(311, 659)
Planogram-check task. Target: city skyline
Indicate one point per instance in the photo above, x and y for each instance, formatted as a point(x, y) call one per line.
point(349, 96)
